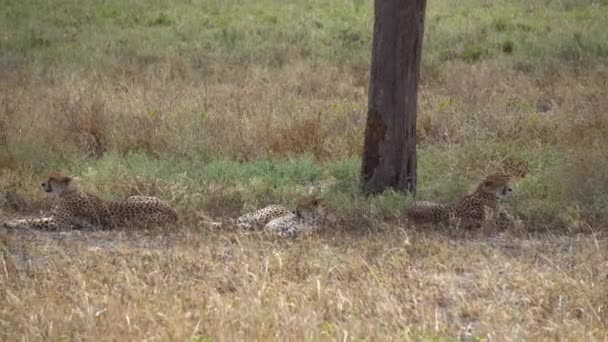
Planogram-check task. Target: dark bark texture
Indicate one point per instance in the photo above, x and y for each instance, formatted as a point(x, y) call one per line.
point(389, 154)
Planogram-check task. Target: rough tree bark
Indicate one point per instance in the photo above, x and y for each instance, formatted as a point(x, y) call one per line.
point(389, 154)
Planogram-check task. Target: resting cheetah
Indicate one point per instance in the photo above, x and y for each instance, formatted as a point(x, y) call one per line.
point(260, 217)
point(77, 209)
point(309, 214)
point(481, 207)
point(308, 217)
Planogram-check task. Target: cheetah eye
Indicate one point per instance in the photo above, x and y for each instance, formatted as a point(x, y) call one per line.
point(43, 184)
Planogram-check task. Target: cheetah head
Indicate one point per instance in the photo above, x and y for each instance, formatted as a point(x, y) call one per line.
point(58, 184)
point(497, 184)
point(309, 207)
point(313, 207)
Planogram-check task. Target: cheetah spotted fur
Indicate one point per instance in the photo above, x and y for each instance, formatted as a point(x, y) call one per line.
point(77, 209)
point(480, 208)
point(259, 218)
point(309, 215)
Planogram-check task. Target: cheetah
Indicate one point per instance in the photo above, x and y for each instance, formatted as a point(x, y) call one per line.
point(310, 213)
point(261, 217)
point(77, 209)
point(479, 208)
point(309, 216)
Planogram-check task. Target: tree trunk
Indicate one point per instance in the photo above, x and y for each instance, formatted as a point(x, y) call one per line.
point(389, 154)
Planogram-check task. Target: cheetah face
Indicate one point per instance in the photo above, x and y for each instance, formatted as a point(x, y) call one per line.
point(309, 207)
point(313, 208)
point(497, 185)
point(506, 191)
point(57, 184)
point(502, 192)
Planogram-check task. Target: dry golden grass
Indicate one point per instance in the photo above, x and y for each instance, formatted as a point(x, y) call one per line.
point(392, 284)
point(259, 112)
point(373, 278)
point(263, 112)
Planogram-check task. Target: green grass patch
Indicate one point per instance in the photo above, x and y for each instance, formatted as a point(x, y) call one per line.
point(87, 33)
point(539, 197)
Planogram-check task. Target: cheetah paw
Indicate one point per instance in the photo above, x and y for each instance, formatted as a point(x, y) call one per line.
point(14, 224)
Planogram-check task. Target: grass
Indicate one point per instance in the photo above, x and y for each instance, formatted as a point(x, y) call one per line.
point(274, 33)
point(200, 285)
point(221, 107)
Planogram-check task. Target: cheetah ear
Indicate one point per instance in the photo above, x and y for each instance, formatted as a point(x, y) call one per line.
point(68, 179)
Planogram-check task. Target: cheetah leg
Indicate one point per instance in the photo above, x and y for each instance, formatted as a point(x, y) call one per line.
point(298, 229)
point(498, 218)
point(489, 217)
point(286, 233)
point(44, 223)
point(250, 222)
point(83, 224)
point(59, 220)
point(243, 223)
point(284, 226)
point(505, 220)
point(454, 221)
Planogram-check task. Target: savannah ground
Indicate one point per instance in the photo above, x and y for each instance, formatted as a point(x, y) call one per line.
point(225, 106)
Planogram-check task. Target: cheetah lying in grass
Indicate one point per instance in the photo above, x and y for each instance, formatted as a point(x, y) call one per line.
point(78, 209)
point(259, 218)
point(310, 215)
point(480, 208)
